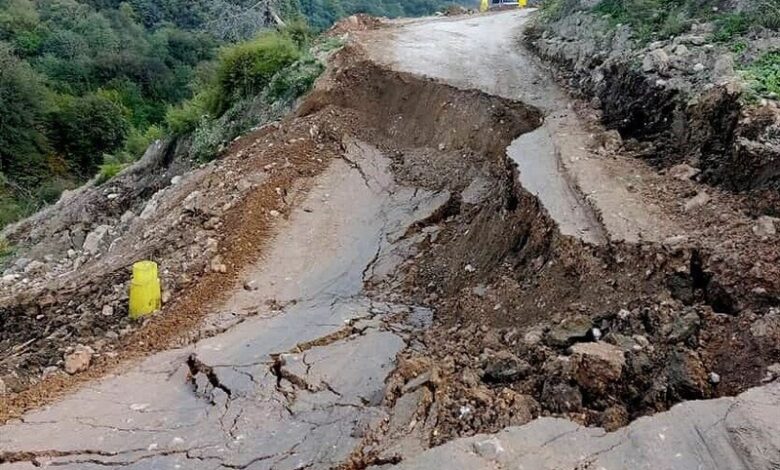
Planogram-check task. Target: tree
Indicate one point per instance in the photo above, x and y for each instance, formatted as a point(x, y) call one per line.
point(86, 128)
point(22, 101)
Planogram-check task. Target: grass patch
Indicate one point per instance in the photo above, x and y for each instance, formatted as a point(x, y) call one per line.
point(108, 170)
point(650, 19)
point(730, 25)
point(6, 250)
point(763, 75)
point(554, 10)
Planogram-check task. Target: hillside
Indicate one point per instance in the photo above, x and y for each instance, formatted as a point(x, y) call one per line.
point(85, 86)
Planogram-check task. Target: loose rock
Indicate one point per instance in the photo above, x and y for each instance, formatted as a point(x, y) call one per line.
point(79, 360)
point(504, 367)
point(597, 365)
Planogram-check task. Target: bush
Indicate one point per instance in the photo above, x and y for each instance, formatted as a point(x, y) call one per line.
point(108, 170)
point(245, 69)
point(138, 142)
point(763, 75)
point(295, 80)
point(729, 25)
point(554, 10)
point(299, 31)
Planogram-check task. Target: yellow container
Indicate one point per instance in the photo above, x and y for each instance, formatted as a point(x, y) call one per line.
point(145, 292)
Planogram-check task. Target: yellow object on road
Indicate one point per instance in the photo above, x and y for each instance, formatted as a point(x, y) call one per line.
point(522, 3)
point(145, 292)
point(484, 6)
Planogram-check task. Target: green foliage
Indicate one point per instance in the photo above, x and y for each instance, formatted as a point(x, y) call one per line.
point(650, 19)
point(295, 80)
point(660, 19)
point(186, 116)
point(299, 31)
point(108, 170)
point(729, 25)
point(763, 75)
point(6, 249)
point(554, 10)
point(86, 128)
point(246, 68)
point(23, 104)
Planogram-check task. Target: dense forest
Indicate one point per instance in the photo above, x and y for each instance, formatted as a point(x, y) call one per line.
point(88, 84)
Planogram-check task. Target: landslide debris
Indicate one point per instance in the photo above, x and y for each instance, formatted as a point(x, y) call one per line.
point(528, 322)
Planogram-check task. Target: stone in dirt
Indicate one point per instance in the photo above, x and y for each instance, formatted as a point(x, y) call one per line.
point(683, 172)
point(687, 377)
point(597, 365)
point(614, 418)
point(79, 360)
point(561, 397)
point(698, 201)
point(765, 226)
point(504, 367)
point(95, 239)
point(522, 408)
point(656, 61)
point(569, 331)
point(684, 327)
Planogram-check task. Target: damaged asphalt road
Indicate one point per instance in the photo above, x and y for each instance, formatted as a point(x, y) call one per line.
point(477, 194)
point(295, 385)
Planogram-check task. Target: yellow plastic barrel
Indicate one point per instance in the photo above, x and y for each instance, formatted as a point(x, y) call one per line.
point(145, 292)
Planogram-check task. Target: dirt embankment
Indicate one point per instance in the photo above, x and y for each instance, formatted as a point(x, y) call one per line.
point(679, 100)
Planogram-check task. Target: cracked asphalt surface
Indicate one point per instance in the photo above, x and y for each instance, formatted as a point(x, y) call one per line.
point(295, 378)
point(292, 374)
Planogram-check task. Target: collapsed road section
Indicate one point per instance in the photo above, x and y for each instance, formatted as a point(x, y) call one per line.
point(290, 370)
point(453, 256)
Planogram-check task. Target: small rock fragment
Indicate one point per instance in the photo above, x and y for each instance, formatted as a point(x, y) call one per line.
point(714, 378)
point(683, 172)
point(614, 418)
point(765, 226)
point(656, 60)
point(79, 360)
point(697, 201)
point(569, 331)
point(489, 448)
point(504, 367)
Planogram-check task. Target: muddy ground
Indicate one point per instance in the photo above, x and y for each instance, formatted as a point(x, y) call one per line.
point(527, 321)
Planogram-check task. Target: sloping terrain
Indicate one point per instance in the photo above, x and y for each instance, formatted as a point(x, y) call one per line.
point(438, 244)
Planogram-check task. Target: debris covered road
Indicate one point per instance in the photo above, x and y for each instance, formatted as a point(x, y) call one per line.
point(419, 293)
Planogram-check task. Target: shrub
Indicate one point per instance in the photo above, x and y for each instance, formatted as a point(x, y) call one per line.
point(554, 10)
point(6, 249)
point(299, 31)
point(245, 69)
point(763, 75)
point(729, 25)
point(187, 116)
point(138, 142)
point(295, 80)
point(108, 170)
